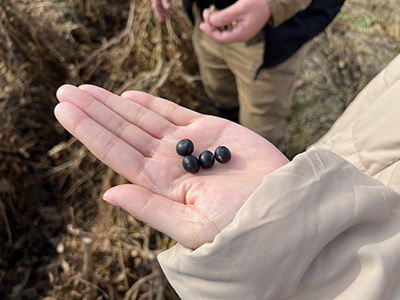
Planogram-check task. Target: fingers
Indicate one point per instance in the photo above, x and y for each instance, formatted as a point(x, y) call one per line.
point(169, 110)
point(248, 16)
point(220, 19)
point(206, 15)
point(109, 117)
point(124, 134)
point(166, 4)
point(176, 219)
point(224, 37)
point(110, 149)
point(161, 9)
point(146, 119)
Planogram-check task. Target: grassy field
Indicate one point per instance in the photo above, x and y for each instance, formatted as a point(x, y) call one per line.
point(58, 240)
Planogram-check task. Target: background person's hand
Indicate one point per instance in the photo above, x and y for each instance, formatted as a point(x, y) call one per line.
point(161, 9)
point(136, 135)
point(250, 16)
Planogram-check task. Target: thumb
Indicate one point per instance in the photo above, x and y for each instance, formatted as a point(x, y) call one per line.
point(225, 16)
point(153, 209)
point(165, 215)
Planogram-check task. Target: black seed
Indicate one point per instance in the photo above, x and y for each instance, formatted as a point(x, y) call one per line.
point(184, 147)
point(222, 154)
point(206, 159)
point(191, 164)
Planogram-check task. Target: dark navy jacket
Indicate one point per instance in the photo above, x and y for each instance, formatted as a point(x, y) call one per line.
point(284, 40)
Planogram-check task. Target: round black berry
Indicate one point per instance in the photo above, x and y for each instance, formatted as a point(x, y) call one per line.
point(222, 154)
point(184, 147)
point(191, 164)
point(206, 159)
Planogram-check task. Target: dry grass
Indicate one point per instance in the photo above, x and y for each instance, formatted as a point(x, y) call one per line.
point(58, 239)
point(360, 42)
point(61, 240)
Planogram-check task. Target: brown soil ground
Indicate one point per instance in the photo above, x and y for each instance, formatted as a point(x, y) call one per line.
point(58, 240)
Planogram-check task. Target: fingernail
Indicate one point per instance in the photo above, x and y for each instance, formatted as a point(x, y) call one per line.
point(60, 91)
point(108, 199)
point(201, 26)
point(215, 19)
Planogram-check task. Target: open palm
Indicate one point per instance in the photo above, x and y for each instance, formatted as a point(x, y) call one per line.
point(136, 133)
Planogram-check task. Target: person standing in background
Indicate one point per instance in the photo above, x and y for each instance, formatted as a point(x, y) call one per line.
point(249, 70)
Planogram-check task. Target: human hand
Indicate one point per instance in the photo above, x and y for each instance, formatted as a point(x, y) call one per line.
point(249, 16)
point(136, 133)
point(161, 9)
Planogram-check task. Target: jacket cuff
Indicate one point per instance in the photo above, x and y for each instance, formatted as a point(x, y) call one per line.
point(283, 10)
point(315, 228)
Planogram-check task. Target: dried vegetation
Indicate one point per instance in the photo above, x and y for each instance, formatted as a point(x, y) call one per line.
point(361, 41)
point(57, 237)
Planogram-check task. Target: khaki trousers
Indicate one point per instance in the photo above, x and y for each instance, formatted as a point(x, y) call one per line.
point(228, 75)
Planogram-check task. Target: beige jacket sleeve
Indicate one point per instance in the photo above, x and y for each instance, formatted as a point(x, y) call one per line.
point(283, 10)
point(317, 228)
